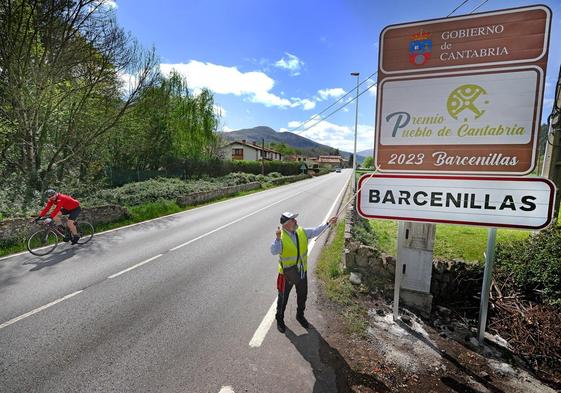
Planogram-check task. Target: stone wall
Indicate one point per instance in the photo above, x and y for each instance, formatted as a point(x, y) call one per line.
point(18, 229)
point(104, 214)
point(288, 179)
point(200, 197)
point(452, 280)
point(455, 281)
point(369, 265)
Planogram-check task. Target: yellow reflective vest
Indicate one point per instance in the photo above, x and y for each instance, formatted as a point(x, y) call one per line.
point(289, 254)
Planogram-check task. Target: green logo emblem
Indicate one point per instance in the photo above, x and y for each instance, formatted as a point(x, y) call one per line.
point(463, 98)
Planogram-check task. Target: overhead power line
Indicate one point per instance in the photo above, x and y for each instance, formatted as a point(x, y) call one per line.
point(301, 125)
point(331, 106)
point(341, 107)
point(458, 7)
point(484, 1)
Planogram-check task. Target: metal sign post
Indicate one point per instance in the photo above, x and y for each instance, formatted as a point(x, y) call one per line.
point(460, 96)
point(398, 270)
point(487, 278)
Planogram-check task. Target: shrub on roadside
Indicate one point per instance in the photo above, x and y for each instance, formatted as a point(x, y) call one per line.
point(533, 265)
point(363, 232)
point(150, 191)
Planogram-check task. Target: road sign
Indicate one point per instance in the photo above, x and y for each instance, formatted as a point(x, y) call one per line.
point(468, 200)
point(462, 95)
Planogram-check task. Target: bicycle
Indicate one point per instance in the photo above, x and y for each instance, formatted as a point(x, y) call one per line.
point(45, 240)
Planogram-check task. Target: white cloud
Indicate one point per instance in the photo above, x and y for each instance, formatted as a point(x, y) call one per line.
point(291, 63)
point(220, 79)
point(305, 103)
point(129, 82)
point(336, 92)
point(227, 129)
point(111, 4)
point(373, 91)
point(294, 124)
point(219, 111)
point(254, 86)
point(337, 136)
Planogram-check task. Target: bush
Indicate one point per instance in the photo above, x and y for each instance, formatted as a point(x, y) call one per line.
point(363, 232)
point(234, 179)
point(195, 169)
point(150, 191)
point(15, 199)
point(534, 264)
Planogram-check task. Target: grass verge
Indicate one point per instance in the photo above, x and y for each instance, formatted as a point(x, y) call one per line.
point(337, 286)
point(139, 213)
point(452, 241)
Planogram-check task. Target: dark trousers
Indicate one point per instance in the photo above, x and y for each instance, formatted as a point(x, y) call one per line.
point(285, 282)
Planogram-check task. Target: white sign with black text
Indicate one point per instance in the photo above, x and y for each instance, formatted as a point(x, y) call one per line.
point(468, 200)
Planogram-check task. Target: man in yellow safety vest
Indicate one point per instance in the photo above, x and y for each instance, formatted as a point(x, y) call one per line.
point(291, 244)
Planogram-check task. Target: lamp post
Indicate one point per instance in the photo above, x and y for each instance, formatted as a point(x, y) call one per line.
point(357, 74)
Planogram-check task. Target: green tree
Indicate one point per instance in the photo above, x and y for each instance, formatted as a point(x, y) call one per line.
point(367, 163)
point(168, 124)
point(61, 69)
point(283, 148)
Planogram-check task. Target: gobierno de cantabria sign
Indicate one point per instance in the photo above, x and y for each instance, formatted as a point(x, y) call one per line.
point(468, 200)
point(464, 94)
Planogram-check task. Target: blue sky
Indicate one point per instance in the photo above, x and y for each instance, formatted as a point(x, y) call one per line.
point(278, 63)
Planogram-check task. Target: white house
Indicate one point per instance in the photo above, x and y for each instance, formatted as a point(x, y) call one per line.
point(244, 150)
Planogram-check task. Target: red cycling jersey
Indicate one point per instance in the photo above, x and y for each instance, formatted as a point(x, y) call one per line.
point(65, 202)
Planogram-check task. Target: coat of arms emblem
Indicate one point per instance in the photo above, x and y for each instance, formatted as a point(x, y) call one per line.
point(420, 48)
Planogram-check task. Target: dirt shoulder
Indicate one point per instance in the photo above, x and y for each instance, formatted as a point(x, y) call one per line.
point(409, 355)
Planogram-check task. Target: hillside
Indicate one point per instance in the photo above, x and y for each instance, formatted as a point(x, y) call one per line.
point(365, 153)
point(304, 145)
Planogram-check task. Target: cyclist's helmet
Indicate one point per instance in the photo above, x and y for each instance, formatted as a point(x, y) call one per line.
point(50, 193)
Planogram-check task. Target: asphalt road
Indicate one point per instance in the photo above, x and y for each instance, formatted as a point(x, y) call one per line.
point(200, 289)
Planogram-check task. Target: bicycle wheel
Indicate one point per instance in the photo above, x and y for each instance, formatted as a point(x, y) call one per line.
point(85, 230)
point(42, 242)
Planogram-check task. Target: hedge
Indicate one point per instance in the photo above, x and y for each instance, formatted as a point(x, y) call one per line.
point(194, 169)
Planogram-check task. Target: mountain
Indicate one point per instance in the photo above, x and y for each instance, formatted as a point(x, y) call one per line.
point(365, 153)
point(304, 145)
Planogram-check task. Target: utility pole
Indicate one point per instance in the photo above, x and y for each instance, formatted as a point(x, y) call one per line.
point(552, 158)
point(357, 74)
point(262, 156)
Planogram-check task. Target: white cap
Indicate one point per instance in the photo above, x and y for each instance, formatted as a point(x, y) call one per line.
point(287, 216)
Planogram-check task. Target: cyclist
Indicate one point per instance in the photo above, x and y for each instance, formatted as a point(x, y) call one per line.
point(65, 204)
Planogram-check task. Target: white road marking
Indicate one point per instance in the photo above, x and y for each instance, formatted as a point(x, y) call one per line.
point(163, 217)
point(267, 321)
point(135, 266)
point(13, 255)
point(235, 221)
point(14, 320)
point(264, 327)
point(226, 389)
point(28, 314)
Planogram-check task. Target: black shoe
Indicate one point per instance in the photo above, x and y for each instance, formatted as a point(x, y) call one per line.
point(303, 321)
point(75, 239)
point(281, 327)
point(67, 238)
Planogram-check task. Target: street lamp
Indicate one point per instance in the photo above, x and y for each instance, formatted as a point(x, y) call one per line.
point(357, 74)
